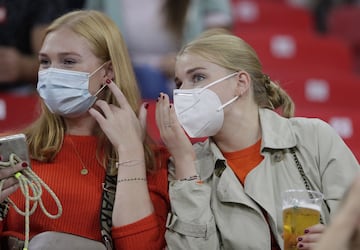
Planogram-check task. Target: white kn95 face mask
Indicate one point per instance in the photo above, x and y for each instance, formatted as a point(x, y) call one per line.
point(199, 110)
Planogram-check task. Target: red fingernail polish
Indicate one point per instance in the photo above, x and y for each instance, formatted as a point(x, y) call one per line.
point(301, 245)
point(108, 81)
point(163, 97)
point(146, 105)
point(306, 231)
point(170, 106)
point(300, 239)
point(24, 164)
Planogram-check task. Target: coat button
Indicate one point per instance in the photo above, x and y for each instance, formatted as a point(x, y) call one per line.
point(278, 156)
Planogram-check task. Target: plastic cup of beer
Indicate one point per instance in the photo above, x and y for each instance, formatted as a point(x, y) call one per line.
point(301, 209)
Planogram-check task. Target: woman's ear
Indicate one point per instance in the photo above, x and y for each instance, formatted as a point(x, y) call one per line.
point(109, 72)
point(243, 82)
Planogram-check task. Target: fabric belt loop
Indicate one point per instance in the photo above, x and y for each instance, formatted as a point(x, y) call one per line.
point(188, 229)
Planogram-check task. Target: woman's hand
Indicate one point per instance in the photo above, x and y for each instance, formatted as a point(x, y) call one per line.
point(124, 129)
point(311, 237)
point(344, 230)
point(175, 138)
point(10, 184)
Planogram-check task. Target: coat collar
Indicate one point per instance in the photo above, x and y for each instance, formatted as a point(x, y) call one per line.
point(276, 134)
point(276, 130)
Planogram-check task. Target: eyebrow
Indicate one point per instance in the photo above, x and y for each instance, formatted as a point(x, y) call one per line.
point(61, 54)
point(189, 71)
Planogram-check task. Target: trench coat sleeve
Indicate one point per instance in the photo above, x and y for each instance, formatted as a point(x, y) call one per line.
point(338, 165)
point(190, 224)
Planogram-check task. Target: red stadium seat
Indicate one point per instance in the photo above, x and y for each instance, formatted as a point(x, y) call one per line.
point(17, 111)
point(299, 51)
point(274, 15)
point(340, 91)
point(343, 22)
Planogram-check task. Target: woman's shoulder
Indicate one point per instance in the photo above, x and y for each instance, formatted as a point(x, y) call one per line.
point(311, 124)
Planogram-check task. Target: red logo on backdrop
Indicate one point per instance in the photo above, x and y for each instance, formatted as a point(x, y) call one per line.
point(2, 14)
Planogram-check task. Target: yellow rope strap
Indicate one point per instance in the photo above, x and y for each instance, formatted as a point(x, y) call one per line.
point(28, 180)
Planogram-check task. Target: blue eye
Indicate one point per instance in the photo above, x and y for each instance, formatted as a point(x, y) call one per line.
point(197, 78)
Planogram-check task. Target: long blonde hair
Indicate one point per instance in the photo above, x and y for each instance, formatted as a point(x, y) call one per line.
point(220, 47)
point(45, 135)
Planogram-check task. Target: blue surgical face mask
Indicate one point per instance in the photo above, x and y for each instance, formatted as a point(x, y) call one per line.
point(66, 92)
point(199, 110)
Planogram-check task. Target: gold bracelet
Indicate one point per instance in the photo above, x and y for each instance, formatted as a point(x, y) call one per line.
point(129, 163)
point(132, 179)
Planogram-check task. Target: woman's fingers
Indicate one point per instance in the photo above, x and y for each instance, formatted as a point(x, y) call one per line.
point(311, 237)
point(162, 112)
point(318, 228)
point(121, 99)
point(9, 187)
point(10, 184)
point(9, 171)
point(142, 118)
point(115, 119)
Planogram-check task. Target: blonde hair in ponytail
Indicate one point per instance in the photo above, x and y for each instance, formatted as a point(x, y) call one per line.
point(233, 53)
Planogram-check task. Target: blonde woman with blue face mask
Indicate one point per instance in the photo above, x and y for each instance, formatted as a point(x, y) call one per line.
point(89, 145)
point(225, 192)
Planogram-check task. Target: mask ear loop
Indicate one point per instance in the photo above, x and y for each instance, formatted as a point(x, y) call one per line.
point(227, 103)
point(104, 85)
point(96, 70)
point(217, 81)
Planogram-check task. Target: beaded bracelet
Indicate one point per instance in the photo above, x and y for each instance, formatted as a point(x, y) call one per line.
point(129, 163)
point(191, 178)
point(132, 179)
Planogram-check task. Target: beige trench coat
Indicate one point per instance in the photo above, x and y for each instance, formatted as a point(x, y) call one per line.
point(222, 214)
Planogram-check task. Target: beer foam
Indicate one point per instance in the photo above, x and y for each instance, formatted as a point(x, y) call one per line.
point(304, 205)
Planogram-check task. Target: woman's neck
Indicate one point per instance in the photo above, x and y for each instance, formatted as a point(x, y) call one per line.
point(240, 130)
point(83, 125)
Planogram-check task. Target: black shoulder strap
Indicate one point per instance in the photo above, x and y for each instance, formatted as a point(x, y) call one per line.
point(107, 204)
point(300, 168)
point(4, 208)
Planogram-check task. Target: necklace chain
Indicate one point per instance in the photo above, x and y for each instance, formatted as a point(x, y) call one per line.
point(84, 170)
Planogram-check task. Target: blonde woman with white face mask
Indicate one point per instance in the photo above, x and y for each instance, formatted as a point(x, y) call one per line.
point(89, 145)
point(226, 192)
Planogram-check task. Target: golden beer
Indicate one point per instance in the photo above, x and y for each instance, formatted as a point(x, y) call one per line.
point(295, 220)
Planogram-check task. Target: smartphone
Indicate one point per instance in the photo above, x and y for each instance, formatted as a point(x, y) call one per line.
point(14, 144)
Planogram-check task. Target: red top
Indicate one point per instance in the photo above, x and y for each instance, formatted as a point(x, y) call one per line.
point(80, 196)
